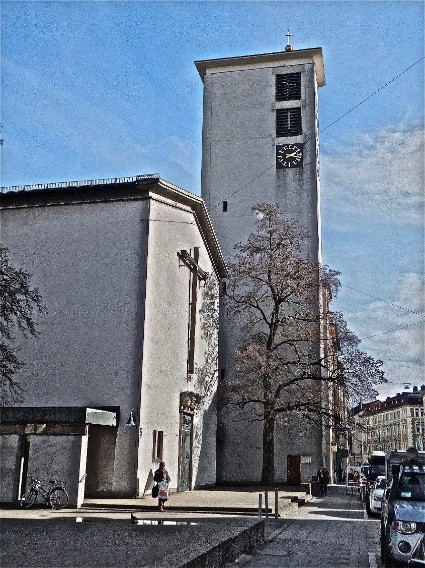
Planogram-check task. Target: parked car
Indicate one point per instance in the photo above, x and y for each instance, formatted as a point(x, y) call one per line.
point(403, 509)
point(374, 467)
point(376, 495)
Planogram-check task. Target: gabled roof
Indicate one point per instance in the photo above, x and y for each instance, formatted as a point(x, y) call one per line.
point(133, 187)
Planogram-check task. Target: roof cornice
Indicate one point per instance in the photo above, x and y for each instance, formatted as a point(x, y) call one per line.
point(113, 189)
point(312, 55)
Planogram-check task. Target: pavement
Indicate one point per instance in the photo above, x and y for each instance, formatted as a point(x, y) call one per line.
point(221, 501)
point(213, 527)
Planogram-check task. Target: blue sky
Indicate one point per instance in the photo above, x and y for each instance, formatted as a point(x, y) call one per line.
point(108, 89)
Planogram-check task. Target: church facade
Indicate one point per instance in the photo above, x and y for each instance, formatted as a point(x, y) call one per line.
point(123, 372)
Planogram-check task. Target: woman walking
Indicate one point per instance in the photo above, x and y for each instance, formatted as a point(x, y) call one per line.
point(163, 480)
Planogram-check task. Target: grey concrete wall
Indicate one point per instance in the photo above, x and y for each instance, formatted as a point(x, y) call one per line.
point(239, 166)
point(10, 463)
point(239, 156)
point(88, 261)
point(57, 457)
point(100, 466)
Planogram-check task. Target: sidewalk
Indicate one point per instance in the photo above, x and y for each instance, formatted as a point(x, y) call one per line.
point(201, 528)
point(222, 501)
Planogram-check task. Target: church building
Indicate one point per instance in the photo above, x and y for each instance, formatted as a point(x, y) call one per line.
point(123, 373)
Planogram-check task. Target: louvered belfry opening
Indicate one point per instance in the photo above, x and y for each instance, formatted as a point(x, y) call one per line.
point(288, 87)
point(288, 122)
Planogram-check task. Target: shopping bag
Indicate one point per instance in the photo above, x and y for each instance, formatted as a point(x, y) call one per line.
point(163, 490)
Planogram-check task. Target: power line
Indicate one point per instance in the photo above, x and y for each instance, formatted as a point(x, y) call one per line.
point(374, 93)
point(331, 124)
point(392, 330)
point(382, 300)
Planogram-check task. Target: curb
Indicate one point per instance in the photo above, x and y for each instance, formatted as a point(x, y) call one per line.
point(228, 550)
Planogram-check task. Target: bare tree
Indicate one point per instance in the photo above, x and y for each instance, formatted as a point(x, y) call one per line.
point(18, 303)
point(274, 295)
point(360, 371)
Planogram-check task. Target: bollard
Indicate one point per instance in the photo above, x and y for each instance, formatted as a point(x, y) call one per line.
point(266, 503)
point(260, 505)
point(276, 503)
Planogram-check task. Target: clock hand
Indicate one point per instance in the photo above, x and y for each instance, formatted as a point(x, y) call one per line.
point(293, 155)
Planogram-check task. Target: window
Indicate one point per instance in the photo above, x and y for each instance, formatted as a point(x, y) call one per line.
point(225, 206)
point(223, 288)
point(288, 87)
point(157, 444)
point(288, 122)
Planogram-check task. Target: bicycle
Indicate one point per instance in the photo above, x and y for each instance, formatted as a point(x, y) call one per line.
point(55, 494)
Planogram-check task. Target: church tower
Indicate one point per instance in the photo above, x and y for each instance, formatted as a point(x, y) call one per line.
point(261, 144)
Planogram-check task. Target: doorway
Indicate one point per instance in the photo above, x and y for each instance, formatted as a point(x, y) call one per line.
point(294, 470)
point(185, 472)
point(100, 460)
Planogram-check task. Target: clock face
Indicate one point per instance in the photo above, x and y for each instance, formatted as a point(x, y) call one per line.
point(289, 156)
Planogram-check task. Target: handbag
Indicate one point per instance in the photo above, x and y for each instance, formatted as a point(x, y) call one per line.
point(155, 490)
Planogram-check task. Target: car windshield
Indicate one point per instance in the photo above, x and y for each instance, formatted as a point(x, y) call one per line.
point(380, 484)
point(411, 486)
point(376, 469)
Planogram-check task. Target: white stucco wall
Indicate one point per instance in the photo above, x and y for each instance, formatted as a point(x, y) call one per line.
point(164, 374)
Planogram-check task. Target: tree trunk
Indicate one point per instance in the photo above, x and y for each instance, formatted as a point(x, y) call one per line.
point(267, 474)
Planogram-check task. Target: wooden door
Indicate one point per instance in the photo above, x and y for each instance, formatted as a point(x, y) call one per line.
point(294, 470)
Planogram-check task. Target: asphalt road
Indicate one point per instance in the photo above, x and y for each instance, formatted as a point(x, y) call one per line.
point(329, 532)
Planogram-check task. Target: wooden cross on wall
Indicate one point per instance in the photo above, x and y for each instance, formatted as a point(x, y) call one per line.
point(196, 273)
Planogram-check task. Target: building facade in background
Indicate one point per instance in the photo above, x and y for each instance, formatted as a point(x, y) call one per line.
point(124, 371)
point(260, 144)
point(392, 424)
point(335, 395)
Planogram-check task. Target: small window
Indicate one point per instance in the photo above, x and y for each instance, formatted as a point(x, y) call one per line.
point(288, 87)
point(157, 444)
point(222, 374)
point(223, 288)
point(288, 122)
point(225, 206)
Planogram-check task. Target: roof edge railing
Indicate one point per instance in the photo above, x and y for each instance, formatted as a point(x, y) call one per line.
point(80, 183)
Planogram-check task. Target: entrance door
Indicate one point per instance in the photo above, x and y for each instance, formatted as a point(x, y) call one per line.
point(294, 470)
point(100, 460)
point(186, 452)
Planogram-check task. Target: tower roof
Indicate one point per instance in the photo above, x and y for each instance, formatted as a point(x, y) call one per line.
point(313, 55)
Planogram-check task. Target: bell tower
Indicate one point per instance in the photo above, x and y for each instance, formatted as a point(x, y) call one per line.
point(260, 143)
point(260, 140)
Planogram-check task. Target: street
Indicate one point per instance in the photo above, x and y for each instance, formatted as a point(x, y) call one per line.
point(329, 532)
